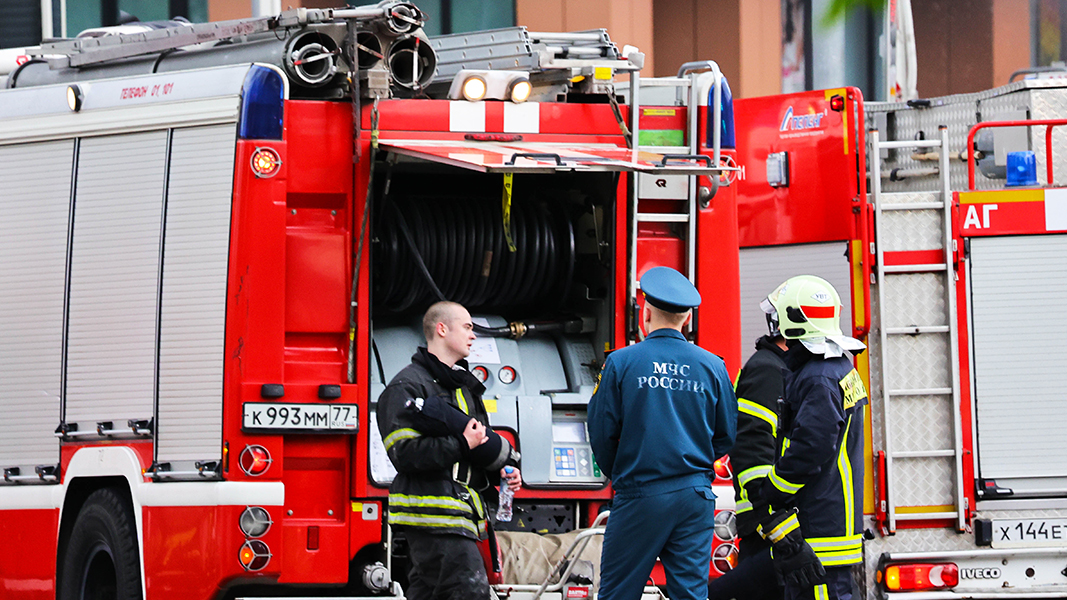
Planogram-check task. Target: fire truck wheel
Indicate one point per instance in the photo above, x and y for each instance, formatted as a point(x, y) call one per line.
point(101, 560)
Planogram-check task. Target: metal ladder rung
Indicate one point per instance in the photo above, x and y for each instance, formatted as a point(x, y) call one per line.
point(662, 218)
point(910, 144)
point(920, 392)
point(925, 268)
point(916, 329)
point(926, 516)
point(914, 206)
point(924, 454)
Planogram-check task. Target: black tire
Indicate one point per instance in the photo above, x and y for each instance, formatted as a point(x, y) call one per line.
point(101, 561)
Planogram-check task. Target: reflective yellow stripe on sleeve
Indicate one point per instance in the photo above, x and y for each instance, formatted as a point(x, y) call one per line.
point(783, 529)
point(820, 592)
point(754, 409)
point(783, 485)
point(400, 434)
point(746, 476)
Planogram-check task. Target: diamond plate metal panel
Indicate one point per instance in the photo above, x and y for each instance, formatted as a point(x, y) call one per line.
point(1043, 98)
point(924, 481)
point(1045, 513)
point(915, 299)
point(911, 230)
point(874, 356)
point(918, 362)
point(1049, 104)
point(921, 423)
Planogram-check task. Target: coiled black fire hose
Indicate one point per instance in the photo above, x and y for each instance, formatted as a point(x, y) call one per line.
point(454, 249)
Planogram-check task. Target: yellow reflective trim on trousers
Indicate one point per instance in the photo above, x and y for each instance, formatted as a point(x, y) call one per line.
point(783, 485)
point(820, 592)
point(400, 434)
point(845, 468)
point(751, 408)
point(439, 521)
point(462, 401)
point(746, 476)
point(429, 502)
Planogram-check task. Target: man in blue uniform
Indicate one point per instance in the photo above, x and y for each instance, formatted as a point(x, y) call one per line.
point(816, 484)
point(662, 413)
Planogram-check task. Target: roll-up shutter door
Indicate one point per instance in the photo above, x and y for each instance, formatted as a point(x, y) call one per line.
point(34, 221)
point(1018, 291)
point(193, 312)
point(764, 269)
point(114, 279)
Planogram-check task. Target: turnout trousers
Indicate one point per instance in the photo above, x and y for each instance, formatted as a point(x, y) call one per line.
point(836, 585)
point(753, 578)
point(445, 567)
point(675, 526)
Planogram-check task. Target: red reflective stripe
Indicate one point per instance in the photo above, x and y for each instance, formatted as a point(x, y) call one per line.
point(819, 312)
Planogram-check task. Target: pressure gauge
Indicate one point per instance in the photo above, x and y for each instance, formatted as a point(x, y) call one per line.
point(481, 373)
point(506, 375)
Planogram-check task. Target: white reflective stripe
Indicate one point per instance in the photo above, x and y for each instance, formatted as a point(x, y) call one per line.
point(756, 472)
point(743, 506)
point(464, 115)
point(443, 521)
point(522, 118)
point(782, 484)
point(751, 408)
point(400, 434)
point(212, 493)
point(429, 502)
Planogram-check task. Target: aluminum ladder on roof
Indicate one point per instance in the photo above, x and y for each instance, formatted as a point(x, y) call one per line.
point(688, 92)
point(918, 344)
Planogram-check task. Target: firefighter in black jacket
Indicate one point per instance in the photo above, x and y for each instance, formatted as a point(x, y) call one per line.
point(760, 388)
point(436, 498)
point(816, 484)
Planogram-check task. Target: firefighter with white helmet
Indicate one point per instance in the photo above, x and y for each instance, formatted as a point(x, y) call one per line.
point(816, 484)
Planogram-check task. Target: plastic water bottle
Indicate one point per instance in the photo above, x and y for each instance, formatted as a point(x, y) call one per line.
point(503, 511)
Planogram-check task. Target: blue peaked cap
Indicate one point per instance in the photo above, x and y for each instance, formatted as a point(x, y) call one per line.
point(669, 290)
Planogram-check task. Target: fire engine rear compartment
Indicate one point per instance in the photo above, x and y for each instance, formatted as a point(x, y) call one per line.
point(556, 284)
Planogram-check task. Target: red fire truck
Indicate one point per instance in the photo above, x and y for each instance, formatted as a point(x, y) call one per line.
point(216, 242)
point(955, 278)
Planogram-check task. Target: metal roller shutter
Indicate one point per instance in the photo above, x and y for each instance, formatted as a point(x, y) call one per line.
point(114, 280)
point(34, 223)
point(193, 311)
point(763, 269)
point(1018, 288)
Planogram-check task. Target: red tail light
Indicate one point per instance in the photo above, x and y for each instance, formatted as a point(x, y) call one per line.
point(920, 576)
point(266, 162)
point(255, 460)
point(722, 468)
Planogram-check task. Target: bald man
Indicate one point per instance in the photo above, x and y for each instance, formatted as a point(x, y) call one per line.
point(437, 497)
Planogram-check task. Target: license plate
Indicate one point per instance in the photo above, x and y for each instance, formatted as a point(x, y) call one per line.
point(301, 417)
point(1018, 533)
